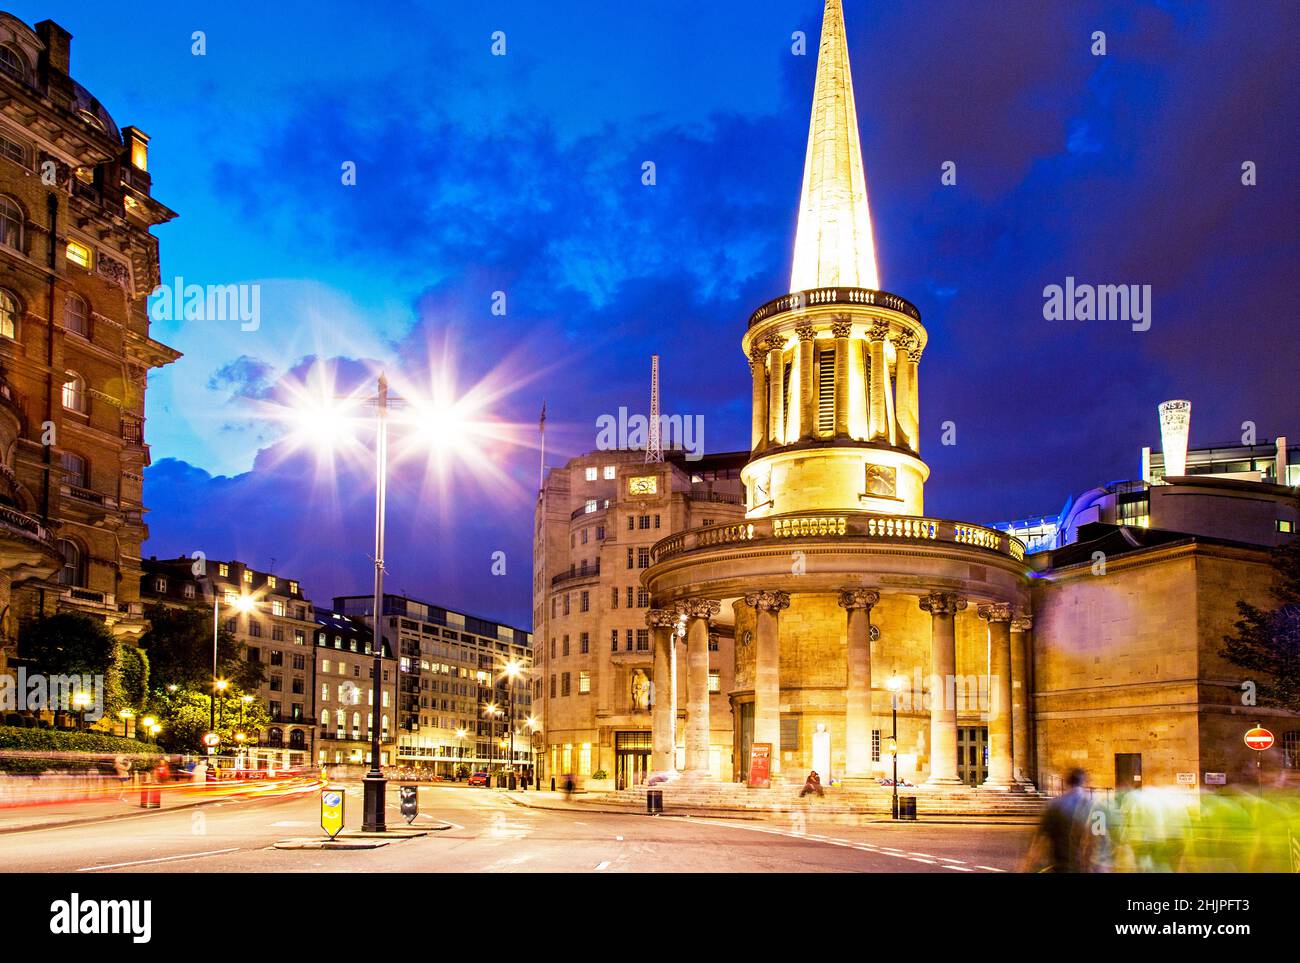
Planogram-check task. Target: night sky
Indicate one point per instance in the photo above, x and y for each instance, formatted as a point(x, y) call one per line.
point(522, 174)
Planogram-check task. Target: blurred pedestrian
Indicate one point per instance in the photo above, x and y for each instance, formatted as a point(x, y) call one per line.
point(813, 784)
point(1064, 841)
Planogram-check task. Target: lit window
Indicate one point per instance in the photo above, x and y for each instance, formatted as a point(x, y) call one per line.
point(270, 581)
point(140, 154)
point(160, 584)
point(591, 473)
point(189, 590)
point(223, 569)
point(248, 575)
point(8, 315)
point(609, 472)
point(1285, 525)
point(277, 607)
point(79, 254)
point(74, 393)
point(74, 469)
point(590, 506)
point(584, 683)
point(293, 588)
point(231, 597)
point(76, 315)
point(11, 224)
point(584, 759)
point(715, 681)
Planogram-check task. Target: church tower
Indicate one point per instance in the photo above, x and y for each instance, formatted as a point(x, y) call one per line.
point(834, 362)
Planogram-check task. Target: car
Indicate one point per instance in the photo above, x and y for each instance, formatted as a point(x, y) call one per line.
point(478, 779)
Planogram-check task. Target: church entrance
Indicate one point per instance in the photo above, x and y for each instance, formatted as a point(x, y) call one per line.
point(973, 754)
point(631, 758)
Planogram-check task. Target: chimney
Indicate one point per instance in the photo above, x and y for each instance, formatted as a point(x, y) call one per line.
point(58, 46)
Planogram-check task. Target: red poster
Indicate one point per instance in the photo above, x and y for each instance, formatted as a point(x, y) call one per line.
point(760, 765)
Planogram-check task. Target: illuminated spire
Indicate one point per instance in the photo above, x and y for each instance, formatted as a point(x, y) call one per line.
point(833, 246)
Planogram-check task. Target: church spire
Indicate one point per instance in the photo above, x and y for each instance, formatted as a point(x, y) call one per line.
point(833, 245)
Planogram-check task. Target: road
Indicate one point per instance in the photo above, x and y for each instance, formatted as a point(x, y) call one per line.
point(491, 834)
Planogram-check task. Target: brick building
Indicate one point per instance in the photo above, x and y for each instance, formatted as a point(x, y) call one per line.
point(77, 263)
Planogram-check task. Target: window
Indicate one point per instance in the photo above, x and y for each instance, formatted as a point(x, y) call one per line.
point(584, 683)
point(188, 590)
point(1285, 525)
point(643, 640)
point(584, 759)
point(629, 596)
point(74, 392)
point(590, 506)
point(74, 469)
point(610, 472)
point(656, 521)
point(277, 682)
point(875, 745)
point(584, 643)
point(15, 151)
point(631, 523)
point(713, 642)
point(277, 607)
point(643, 521)
point(565, 649)
point(552, 686)
point(297, 686)
point(78, 254)
point(255, 628)
point(277, 633)
point(13, 63)
point(591, 474)
point(293, 588)
point(223, 569)
point(630, 550)
point(248, 576)
point(584, 602)
point(277, 658)
point(73, 571)
point(564, 683)
point(627, 636)
point(76, 315)
point(613, 598)
point(642, 598)
point(552, 648)
point(160, 585)
point(613, 640)
point(1291, 749)
point(8, 315)
point(643, 557)
point(584, 542)
point(715, 681)
point(566, 603)
point(11, 224)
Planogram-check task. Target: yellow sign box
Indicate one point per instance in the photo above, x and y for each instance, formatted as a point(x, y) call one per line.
point(331, 811)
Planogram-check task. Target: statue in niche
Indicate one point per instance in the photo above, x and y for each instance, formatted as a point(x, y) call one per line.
point(640, 690)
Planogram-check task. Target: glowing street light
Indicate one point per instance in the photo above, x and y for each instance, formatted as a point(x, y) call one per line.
point(126, 715)
point(894, 685)
point(513, 671)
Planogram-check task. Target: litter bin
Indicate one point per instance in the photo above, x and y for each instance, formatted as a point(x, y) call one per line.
point(907, 807)
point(654, 802)
point(150, 797)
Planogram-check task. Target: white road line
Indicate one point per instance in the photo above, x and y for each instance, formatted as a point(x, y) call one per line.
point(949, 859)
point(601, 865)
point(918, 859)
point(162, 859)
point(960, 869)
point(991, 869)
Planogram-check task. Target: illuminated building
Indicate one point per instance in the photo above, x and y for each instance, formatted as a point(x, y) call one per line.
point(79, 262)
point(450, 668)
point(343, 671)
point(597, 520)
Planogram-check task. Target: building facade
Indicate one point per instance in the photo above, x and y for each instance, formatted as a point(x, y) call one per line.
point(596, 523)
point(274, 621)
point(458, 699)
point(343, 679)
point(79, 262)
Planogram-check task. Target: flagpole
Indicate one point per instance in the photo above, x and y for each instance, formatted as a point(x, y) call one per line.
point(541, 468)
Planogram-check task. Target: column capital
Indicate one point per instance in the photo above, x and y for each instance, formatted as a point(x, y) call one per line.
point(914, 352)
point(805, 332)
point(773, 601)
point(942, 603)
point(774, 342)
point(841, 328)
point(995, 612)
point(903, 341)
point(758, 352)
point(698, 608)
point(1022, 624)
point(858, 599)
point(661, 618)
point(878, 331)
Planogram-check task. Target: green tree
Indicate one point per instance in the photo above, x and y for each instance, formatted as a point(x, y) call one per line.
point(185, 716)
point(1267, 641)
point(69, 644)
point(179, 647)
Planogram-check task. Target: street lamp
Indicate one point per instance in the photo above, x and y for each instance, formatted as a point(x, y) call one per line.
point(513, 671)
point(533, 727)
point(220, 689)
point(126, 715)
point(894, 684)
point(81, 700)
point(491, 711)
point(240, 603)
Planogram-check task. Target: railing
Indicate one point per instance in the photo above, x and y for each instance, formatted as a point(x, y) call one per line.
point(26, 525)
point(797, 300)
point(590, 572)
point(601, 505)
point(106, 599)
point(724, 498)
point(855, 525)
point(89, 495)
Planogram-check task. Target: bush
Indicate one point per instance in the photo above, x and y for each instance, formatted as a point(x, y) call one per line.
point(94, 744)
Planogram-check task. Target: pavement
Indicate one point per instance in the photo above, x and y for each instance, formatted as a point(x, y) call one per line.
point(491, 831)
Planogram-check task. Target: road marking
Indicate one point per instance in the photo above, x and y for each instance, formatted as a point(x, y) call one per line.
point(619, 838)
point(601, 865)
point(918, 859)
point(960, 869)
point(161, 859)
point(991, 869)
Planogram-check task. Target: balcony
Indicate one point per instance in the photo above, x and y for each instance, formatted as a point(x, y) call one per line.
point(25, 526)
point(815, 297)
point(601, 505)
point(89, 495)
point(591, 571)
point(905, 529)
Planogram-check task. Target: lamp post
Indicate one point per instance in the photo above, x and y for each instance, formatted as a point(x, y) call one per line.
point(460, 752)
point(894, 684)
point(151, 726)
point(241, 603)
point(533, 726)
point(81, 700)
point(126, 715)
point(491, 711)
point(512, 673)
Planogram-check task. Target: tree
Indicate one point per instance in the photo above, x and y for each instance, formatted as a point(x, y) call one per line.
point(1267, 641)
point(185, 717)
point(179, 646)
point(70, 644)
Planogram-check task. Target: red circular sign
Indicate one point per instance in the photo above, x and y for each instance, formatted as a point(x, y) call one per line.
point(1259, 739)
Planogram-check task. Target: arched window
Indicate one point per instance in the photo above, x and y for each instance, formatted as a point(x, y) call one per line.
point(74, 392)
point(73, 572)
point(324, 718)
point(13, 63)
point(297, 739)
point(11, 223)
point(340, 720)
point(8, 314)
point(76, 315)
point(275, 737)
point(75, 471)
point(356, 723)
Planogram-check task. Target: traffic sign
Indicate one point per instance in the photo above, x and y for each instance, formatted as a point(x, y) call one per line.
point(211, 739)
point(331, 811)
point(1259, 739)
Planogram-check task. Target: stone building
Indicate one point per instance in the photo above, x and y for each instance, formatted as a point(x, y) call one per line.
point(597, 520)
point(78, 262)
point(272, 618)
point(343, 674)
point(454, 690)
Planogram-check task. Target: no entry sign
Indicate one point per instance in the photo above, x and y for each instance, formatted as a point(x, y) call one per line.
point(1259, 739)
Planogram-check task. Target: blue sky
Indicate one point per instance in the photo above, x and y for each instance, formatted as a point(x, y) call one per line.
point(522, 174)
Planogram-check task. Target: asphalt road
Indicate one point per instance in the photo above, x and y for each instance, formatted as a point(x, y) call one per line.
point(491, 834)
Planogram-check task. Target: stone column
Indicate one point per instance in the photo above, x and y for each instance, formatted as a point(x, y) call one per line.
point(913, 396)
point(776, 390)
point(879, 379)
point(903, 391)
point(1021, 700)
point(943, 608)
point(767, 669)
point(841, 330)
point(663, 626)
point(857, 693)
point(757, 370)
point(698, 612)
point(1001, 748)
point(807, 352)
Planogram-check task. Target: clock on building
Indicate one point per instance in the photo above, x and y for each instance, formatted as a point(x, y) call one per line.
point(643, 485)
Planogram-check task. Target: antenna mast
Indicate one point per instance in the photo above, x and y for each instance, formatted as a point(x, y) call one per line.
point(654, 451)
